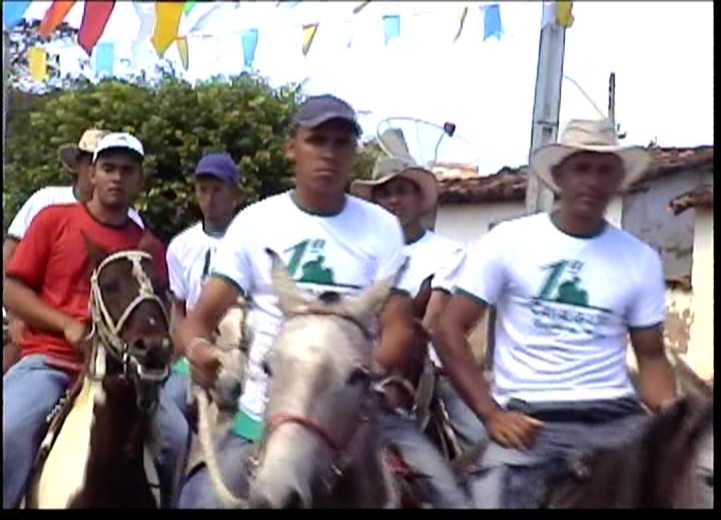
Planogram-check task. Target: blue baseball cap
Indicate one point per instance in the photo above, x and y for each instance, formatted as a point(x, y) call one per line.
point(316, 110)
point(218, 165)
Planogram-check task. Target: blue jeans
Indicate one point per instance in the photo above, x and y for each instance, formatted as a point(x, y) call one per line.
point(31, 389)
point(511, 479)
point(442, 489)
point(468, 428)
point(233, 454)
point(176, 390)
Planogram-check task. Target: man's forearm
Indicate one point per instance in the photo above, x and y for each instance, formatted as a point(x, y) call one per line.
point(187, 329)
point(9, 247)
point(463, 371)
point(26, 305)
point(656, 381)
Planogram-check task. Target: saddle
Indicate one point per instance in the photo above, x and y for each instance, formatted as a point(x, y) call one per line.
point(61, 410)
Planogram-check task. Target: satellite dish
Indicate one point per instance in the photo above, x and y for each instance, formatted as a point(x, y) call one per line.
point(425, 143)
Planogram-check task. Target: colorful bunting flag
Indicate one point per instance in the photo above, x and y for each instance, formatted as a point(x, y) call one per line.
point(188, 6)
point(167, 20)
point(13, 13)
point(104, 57)
point(182, 44)
point(146, 15)
point(95, 18)
point(357, 9)
point(289, 5)
point(249, 40)
point(309, 31)
point(391, 27)
point(37, 61)
point(462, 21)
point(492, 21)
point(54, 16)
point(564, 14)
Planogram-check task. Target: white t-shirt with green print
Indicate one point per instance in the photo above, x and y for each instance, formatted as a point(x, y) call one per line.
point(345, 253)
point(564, 307)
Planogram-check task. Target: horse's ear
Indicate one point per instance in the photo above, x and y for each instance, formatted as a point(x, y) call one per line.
point(290, 298)
point(424, 295)
point(370, 302)
point(96, 254)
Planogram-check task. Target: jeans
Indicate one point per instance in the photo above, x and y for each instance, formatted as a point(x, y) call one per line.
point(506, 478)
point(442, 489)
point(176, 390)
point(233, 454)
point(468, 428)
point(30, 391)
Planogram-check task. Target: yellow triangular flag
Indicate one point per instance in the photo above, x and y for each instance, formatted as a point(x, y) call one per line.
point(464, 13)
point(167, 19)
point(182, 44)
point(308, 35)
point(564, 16)
point(37, 62)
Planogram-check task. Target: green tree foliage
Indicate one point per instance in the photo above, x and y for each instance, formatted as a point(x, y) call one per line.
point(178, 123)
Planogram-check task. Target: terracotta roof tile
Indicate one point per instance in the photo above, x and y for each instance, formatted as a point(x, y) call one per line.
point(509, 184)
point(701, 197)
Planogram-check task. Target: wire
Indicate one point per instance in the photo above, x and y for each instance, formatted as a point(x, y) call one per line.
point(584, 94)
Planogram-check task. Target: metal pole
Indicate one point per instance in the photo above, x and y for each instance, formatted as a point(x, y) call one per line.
point(612, 100)
point(547, 102)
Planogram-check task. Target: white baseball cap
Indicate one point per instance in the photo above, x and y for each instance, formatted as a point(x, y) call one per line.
point(119, 140)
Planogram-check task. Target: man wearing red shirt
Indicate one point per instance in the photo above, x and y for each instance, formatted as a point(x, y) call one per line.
point(47, 285)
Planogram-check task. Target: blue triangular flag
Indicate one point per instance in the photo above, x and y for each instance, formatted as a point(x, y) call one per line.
point(13, 12)
point(492, 21)
point(250, 42)
point(104, 58)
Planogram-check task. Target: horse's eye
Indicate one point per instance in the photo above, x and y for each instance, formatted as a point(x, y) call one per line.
point(266, 368)
point(360, 375)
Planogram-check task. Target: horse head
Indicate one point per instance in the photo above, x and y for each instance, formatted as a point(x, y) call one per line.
point(320, 393)
point(129, 319)
point(661, 468)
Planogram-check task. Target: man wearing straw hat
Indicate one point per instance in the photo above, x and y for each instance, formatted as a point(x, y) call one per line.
point(410, 192)
point(568, 287)
point(77, 158)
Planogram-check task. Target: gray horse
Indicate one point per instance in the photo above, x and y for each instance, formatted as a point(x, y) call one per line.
point(319, 449)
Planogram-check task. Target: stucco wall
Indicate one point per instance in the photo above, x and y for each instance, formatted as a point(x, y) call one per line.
point(700, 354)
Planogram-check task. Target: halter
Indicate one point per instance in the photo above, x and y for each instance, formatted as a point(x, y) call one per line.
point(340, 448)
point(107, 332)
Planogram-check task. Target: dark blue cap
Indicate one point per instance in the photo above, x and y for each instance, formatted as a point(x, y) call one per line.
point(218, 165)
point(316, 110)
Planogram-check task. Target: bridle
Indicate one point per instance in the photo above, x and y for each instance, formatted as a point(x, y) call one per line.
point(341, 448)
point(106, 332)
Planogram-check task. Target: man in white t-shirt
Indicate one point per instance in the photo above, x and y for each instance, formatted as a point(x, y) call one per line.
point(328, 240)
point(77, 158)
point(410, 192)
point(568, 287)
point(191, 251)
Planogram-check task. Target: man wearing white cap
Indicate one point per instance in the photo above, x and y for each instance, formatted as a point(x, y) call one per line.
point(568, 287)
point(46, 285)
point(77, 158)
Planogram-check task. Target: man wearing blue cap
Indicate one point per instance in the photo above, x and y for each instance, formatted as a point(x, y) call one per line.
point(190, 252)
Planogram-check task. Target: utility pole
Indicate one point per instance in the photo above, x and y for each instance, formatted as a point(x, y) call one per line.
point(547, 102)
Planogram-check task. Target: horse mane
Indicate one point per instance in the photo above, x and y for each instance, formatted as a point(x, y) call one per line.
point(648, 472)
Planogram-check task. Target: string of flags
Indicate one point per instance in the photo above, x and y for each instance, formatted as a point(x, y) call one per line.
point(160, 23)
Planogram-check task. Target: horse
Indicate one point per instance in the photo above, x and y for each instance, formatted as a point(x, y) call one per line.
point(94, 455)
point(319, 446)
point(658, 469)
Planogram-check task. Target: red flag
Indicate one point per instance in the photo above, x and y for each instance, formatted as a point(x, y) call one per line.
point(54, 16)
point(95, 18)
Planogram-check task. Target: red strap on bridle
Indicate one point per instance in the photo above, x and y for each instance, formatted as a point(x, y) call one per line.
point(284, 418)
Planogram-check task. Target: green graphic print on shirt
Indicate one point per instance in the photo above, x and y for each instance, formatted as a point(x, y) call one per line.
point(562, 304)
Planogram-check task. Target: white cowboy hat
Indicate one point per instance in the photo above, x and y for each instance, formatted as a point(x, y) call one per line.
point(69, 153)
point(388, 168)
point(589, 136)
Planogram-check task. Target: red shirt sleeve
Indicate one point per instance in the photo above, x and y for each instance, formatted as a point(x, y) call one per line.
point(30, 259)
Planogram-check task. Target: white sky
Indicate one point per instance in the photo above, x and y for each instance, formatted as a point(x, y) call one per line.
point(661, 52)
